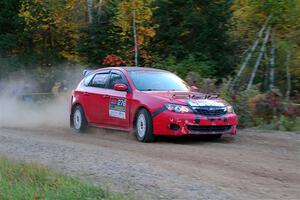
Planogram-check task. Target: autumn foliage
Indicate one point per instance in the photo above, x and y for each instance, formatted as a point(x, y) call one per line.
point(112, 60)
point(208, 38)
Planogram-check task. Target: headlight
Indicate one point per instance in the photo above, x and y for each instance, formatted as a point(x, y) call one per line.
point(229, 109)
point(177, 108)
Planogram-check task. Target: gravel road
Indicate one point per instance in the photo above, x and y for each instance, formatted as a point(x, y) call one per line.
point(251, 165)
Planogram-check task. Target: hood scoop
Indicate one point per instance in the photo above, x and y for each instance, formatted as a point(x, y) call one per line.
point(195, 96)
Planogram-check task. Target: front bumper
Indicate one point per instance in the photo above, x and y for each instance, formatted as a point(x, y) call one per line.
point(177, 124)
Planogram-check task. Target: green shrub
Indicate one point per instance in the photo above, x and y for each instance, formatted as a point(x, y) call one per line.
point(282, 123)
point(241, 104)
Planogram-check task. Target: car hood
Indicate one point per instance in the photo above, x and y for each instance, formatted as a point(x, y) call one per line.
point(190, 98)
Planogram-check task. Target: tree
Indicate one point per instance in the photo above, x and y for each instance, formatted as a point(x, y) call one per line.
point(197, 28)
point(100, 38)
point(11, 25)
point(248, 17)
point(53, 26)
point(134, 18)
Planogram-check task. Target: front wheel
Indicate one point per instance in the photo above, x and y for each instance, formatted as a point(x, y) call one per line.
point(144, 127)
point(79, 121)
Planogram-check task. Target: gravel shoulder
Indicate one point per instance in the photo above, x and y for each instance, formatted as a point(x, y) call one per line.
point(252, 165)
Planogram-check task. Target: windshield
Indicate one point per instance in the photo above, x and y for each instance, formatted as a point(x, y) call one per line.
point(157, 81)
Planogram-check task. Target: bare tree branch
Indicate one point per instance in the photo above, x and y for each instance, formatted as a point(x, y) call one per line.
point(272, 60)
point(259, 58)
point(288, 75)
point(267, 71)
point(135, 37)
point(100, 11)
point(89, 6)
point(249, 55)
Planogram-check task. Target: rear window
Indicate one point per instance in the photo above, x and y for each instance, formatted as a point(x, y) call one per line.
point(99, 80)
point(157, 81)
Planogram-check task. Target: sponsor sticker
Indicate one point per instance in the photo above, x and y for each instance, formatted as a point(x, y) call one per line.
point(206, 102)
point(117, 107)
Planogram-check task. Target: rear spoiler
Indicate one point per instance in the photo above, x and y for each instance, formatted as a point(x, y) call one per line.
point(85, 72)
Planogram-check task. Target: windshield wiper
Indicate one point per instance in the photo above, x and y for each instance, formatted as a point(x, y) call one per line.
point(149, 90)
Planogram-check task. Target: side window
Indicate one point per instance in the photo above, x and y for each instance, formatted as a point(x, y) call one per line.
point(88, 79)
point(114, 79)
point(99, 80)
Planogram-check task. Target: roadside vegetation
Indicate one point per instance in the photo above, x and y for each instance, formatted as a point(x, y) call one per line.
point(269, 110)
point(33, 182)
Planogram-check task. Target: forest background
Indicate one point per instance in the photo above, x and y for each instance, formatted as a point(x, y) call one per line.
point(248, 51)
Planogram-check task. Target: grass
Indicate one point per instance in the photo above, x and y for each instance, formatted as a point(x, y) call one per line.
point(34, 182)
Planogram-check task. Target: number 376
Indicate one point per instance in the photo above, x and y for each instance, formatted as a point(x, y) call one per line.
point(121, 102)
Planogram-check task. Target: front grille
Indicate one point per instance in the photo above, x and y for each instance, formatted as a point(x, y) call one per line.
point(207, 129)
point(210, 111)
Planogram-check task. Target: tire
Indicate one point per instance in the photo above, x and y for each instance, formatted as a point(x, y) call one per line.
point(144, 127)
point(80, 123)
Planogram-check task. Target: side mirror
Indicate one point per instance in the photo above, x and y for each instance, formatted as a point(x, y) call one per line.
point(194, 89)
point(120, 87)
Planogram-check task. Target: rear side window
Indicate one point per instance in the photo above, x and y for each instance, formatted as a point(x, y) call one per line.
point(99, 80)
point(88, 79)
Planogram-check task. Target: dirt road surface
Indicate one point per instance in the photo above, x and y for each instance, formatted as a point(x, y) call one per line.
point(251, 165)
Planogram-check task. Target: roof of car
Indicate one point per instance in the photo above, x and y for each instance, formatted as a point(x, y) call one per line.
point(130, 69)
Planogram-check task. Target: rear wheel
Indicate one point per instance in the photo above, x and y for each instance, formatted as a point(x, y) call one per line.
point(79, 121)
point(144, 127)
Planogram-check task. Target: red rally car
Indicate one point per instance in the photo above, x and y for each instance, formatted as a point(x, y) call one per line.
point(148, 102)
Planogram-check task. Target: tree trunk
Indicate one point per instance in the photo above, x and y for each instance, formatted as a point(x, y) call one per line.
point(288, 75)
point(249, 55)
point(259, 58)
point(135, 37)
point(267, 72)
point(100, 12)
point(272, 60)
point(89, 6)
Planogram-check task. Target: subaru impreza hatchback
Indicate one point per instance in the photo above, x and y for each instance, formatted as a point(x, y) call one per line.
point(148, 102)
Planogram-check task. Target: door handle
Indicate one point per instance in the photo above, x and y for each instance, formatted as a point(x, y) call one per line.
point(86, 94)
point(105, 96)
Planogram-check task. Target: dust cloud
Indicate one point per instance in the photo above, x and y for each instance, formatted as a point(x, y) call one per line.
point(23, 105)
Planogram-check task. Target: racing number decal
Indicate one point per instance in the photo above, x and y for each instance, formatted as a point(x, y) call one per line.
point(117, 108)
